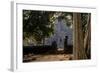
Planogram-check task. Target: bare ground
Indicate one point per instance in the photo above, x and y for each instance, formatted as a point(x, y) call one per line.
point(49, 57)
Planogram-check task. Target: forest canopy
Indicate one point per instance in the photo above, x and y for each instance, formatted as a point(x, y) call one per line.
point(40, 24)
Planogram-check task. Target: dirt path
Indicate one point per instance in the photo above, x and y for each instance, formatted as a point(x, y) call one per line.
point(58, 57)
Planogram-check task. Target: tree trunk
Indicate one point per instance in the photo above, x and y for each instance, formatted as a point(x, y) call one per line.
point(78, 45)
point(87, 38)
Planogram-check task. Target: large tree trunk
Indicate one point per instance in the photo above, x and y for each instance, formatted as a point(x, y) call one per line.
point(87, 38)
point(78, 46)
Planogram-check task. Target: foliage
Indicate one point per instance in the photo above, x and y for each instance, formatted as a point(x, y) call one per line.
point(67, 16)
point(37, 24)
point(84, 19)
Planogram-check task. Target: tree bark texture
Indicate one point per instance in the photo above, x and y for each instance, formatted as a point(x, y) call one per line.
point(78, 45)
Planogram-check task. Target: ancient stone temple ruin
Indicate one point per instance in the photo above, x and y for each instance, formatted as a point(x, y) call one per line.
point(61, 31)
